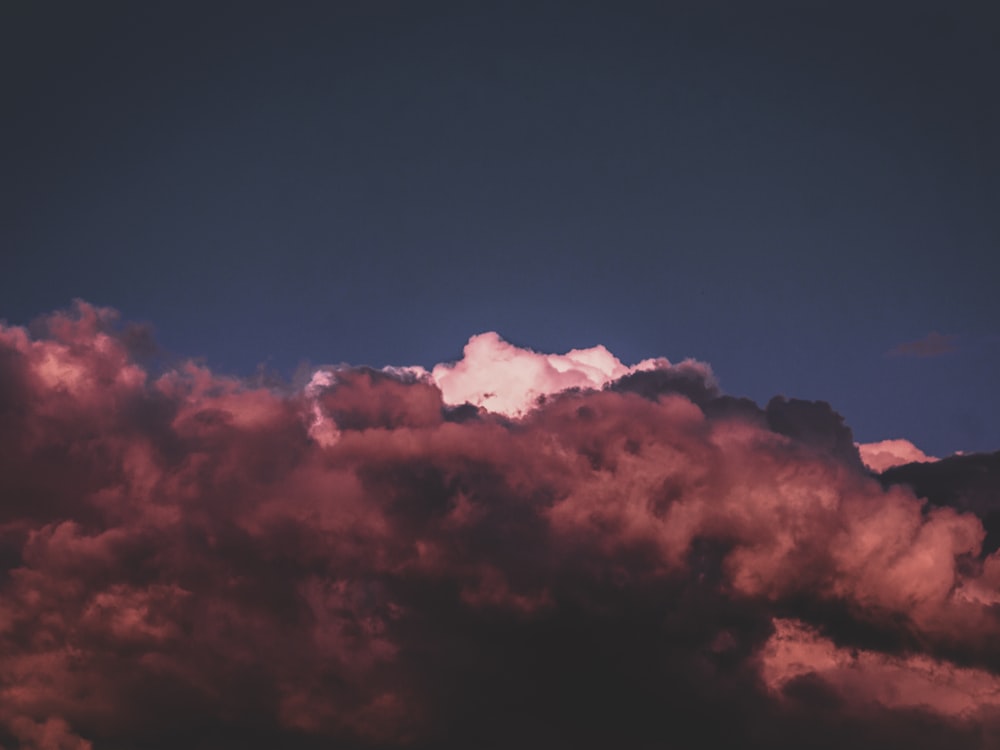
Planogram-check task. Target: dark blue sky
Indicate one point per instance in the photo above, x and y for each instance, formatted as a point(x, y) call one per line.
point(785, 190)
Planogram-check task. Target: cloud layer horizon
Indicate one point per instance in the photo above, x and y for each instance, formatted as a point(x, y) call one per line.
point(515, 549)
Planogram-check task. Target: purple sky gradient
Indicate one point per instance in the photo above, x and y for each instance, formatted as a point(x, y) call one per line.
point(785, 190)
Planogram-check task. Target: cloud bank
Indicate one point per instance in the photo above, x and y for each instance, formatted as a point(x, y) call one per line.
point(518, 549)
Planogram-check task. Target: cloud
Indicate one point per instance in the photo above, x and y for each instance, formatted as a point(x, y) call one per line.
point(862, 676)
point(189, 560)
point(885, 454)
point(501, 378)
point(934, 344)
point(510, 380)
point(966, 482)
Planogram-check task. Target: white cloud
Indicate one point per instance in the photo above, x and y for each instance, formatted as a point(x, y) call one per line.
point(507, 379)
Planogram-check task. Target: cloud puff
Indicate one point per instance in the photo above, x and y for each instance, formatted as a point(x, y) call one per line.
point(507, 379)
point(934, 344)
point(888, 453)
point(190, 560)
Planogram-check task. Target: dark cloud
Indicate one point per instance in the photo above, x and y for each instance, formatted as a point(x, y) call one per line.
point(968, 483)
point(934, 344)
point(813, 423)
point(690, 382)
point(189, 560)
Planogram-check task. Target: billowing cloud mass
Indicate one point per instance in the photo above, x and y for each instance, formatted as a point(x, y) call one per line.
point(888, 453)
point(516, 550)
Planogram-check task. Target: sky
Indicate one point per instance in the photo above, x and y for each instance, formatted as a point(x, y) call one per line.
point(550, 375)
point(788, 191)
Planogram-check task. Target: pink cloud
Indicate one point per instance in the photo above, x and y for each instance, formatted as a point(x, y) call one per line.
point(507, 379)
point(359, 563)
point(861, 676)
point(888, 453)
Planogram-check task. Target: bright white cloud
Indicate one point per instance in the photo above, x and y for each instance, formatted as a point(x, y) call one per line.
point(507, 379)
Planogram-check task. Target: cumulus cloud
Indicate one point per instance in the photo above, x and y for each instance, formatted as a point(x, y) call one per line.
point(369, 562)
point(967, 482)
point(507, 379)
point(499, 377)
point(888, 453)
